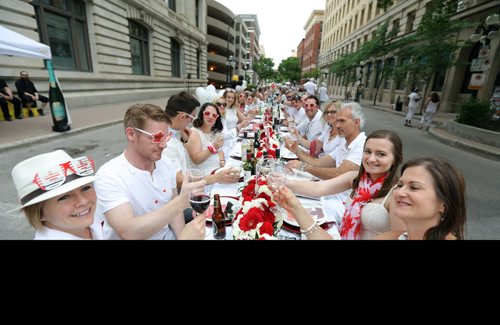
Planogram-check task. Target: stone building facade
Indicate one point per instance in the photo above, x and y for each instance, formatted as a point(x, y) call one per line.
point(108, 51)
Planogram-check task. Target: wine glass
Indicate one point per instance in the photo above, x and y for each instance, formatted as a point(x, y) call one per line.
point(195, 175)
point(199, 200)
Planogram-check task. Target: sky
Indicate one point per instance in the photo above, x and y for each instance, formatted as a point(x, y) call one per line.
point(281, 22)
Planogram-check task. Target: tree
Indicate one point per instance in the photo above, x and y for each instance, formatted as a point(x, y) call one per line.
point(264, 68)
point(432, 46)
point(289, 69)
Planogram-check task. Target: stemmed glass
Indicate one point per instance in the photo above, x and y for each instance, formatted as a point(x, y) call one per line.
point(199, 198)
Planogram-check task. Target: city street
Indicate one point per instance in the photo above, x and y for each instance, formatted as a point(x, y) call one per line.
point(481, 174)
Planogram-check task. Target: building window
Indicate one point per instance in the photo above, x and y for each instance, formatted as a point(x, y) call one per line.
point(63, 26)
point(171, 5)
point(139, 48)
point(390, 67)
point(197, 13)
point(409, 22)
point(175, 52)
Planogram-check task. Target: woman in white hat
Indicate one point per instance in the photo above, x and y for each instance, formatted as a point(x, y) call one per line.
point(57, 195)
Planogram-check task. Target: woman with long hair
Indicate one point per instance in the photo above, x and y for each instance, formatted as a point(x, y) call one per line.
point(430, 200)
point(205, 143)
point(367, 209)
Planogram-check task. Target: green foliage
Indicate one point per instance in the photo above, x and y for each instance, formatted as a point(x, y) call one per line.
point(289, 69)
point(432, 44)
point(473, 112)
point(264, 68)
point(312, 74)
point(384, 4)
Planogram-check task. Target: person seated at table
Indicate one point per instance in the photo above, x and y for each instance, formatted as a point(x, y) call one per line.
point(429, 199)
point(367, 209)
point(7, 96)
point(136, 190)
point(329, 139)
point(180, 109)
point(204, 146)
point(313, 125)
point(235, 119)
point(350, 122)
point(57, 196)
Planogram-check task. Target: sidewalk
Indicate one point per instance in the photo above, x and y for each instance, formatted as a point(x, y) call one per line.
point(38, 129)
point(438, 130)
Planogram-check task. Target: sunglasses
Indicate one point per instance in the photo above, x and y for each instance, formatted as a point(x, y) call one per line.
point(331, 112)
point(207, 114)
point(157, 137)
point(310, 105)
point(221, 104)
point(55, 177)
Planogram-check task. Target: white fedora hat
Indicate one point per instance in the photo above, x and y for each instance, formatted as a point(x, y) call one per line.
point(48, 175)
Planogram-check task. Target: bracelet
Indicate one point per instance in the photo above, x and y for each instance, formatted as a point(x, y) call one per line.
point(212, 150)
point(311, 229)
point(303, 166)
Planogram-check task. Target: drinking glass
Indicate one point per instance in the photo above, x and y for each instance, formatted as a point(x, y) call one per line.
point(195, 175)
point(199, 200)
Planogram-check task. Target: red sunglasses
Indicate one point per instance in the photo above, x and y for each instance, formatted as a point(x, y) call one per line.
point(55, 177)
point(207, 114)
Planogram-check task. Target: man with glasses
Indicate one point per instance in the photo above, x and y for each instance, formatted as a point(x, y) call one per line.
point(28, 93)
point(137, 191)
point(312, 126)
point(181, 112)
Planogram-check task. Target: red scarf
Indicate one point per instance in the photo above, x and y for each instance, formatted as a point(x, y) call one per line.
point(351, 222)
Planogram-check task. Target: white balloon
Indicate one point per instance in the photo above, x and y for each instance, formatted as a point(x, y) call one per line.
point(211, 89)
point(201, 94)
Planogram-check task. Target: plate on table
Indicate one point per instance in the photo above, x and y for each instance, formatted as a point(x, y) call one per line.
point(225, 200)
point(236, 153)
point(315, 212)
point(283, 128)
point(258, 117)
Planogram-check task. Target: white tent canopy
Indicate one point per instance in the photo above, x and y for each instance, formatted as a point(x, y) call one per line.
point(12, 43)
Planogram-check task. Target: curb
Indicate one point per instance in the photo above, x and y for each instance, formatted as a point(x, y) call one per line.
point(48, 137)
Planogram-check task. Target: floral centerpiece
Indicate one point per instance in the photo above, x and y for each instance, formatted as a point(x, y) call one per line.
point(268, 141)
point(255, 219)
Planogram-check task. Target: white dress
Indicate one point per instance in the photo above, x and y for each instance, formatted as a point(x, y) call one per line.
point(212, 163)
point(374, 218)
point(230, 132)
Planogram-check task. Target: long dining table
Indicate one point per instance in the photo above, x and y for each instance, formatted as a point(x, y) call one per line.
point(289, 230)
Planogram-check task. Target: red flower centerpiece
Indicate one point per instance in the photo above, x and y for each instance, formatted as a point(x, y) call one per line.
point(255, 220)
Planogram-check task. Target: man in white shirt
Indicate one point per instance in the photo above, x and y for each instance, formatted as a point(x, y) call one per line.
point(181, 111)
point(350, 121)
point(312, 126)
point(311, 87)
point(136, 191)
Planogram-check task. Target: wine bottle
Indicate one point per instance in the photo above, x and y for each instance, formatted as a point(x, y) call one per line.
point(248, 166)
point(57, 103)
point(218, 219)
point(245, 145)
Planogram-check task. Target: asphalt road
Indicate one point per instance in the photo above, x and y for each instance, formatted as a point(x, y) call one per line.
point(481, 174)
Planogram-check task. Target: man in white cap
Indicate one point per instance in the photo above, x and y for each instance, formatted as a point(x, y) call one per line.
point(57, 196)
point(311, 87)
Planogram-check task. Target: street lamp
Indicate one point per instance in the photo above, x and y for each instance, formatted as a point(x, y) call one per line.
point(229, 57)
point(230, 64)
point(485, 33)
point(488, 31)
point(359, 89)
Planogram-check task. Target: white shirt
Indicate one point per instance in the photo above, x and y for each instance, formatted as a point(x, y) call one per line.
point(311, 129)
point(53, 234)
point(330, 145)
point(176, 153)
point(414, 97)
point(310, 87)
point(120, 182)
point(323, 95)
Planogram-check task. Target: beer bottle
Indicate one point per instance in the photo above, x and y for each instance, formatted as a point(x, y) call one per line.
point(245, 145)
point(218, 219)
point(248, 167)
